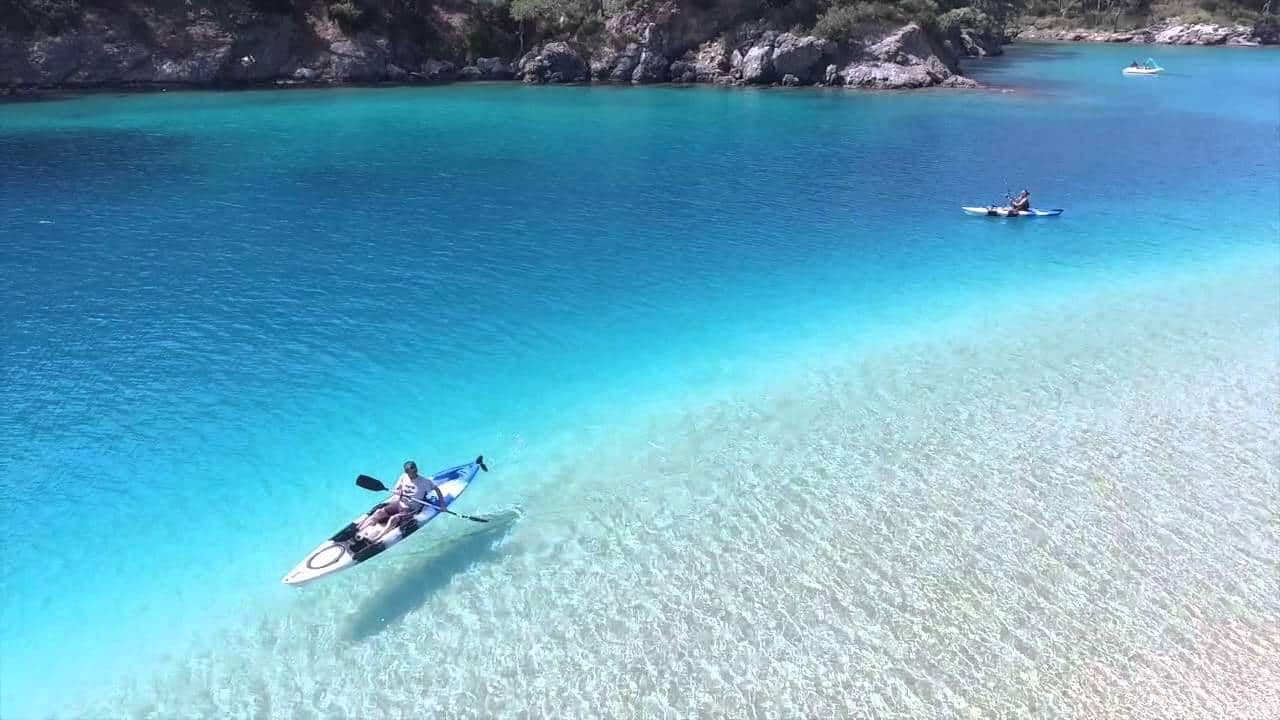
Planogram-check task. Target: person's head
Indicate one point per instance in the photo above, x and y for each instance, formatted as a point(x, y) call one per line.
point(411, 468)
point(1025, 192)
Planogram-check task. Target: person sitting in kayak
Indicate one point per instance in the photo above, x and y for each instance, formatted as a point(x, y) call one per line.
point(410, 492)
point(1022, 203)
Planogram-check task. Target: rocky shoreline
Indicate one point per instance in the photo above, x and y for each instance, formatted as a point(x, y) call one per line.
point(1172, 32)
point(669, 42)
point(678, 41)
point(902, 58)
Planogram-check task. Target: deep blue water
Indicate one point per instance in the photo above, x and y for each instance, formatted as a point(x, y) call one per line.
point(221, 306)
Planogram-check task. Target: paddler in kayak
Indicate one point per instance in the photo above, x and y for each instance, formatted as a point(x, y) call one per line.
point(409, 496)
point(1022, 203)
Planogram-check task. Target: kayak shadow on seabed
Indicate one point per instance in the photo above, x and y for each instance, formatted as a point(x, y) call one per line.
point(429, 570)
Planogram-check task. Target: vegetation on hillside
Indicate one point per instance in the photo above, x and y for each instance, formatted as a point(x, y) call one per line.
point(1123, 14)
point(507, 27)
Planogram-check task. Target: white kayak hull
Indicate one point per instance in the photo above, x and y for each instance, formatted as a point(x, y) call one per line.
point(1005, 212)
point(1142, 71)
point(346, 548)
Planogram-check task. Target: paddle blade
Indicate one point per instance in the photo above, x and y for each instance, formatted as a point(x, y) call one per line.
point(369, 483)
point(480, 462)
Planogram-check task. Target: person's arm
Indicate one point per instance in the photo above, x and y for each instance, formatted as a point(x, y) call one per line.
point(433, 488)
point(400, 490)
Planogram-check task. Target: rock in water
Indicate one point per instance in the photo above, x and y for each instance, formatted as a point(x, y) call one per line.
point(652, 68)
point(800, 57)
point(555, 62)
point(757, 65)
point(493, 68)
point(441, 71)
point(905, 59)
point(711, 60)
point(682, 71)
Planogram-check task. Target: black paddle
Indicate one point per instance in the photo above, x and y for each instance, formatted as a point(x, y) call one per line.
point(374, 484)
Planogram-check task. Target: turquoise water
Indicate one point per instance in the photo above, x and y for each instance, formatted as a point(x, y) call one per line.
point(220, 307)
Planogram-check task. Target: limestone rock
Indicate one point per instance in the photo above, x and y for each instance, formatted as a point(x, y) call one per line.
point(683, 71)
point(361, 59)
point(651, 68)
point(801, 57)
point(555, 62)
point(438, 71)
point(494, 68)
point(711, 60)
point(904, 59)
point(757, 65)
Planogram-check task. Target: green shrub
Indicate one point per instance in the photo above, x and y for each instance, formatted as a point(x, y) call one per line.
point(549, 10)
point(922, 12)
point(966, 17)
point(848, 22)
point(349, 16)
point(853, 20)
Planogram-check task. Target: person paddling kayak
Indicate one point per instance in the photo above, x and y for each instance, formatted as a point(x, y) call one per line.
point(410, 493)
point(1022, 203)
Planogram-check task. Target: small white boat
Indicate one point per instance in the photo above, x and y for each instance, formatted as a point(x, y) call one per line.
point(1147, 68)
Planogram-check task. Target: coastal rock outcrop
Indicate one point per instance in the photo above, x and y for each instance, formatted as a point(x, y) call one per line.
point(801, 57)
point(555, 62)
point(682, 71)
point(756, 65)
point(905, 59)
point(658, 41)
point(635, 52)
point(1172, 32)
point(356, 60)
point(494, 68)
point(967, 32)
point(712, 60)
point(652, 68)
point(437, 71)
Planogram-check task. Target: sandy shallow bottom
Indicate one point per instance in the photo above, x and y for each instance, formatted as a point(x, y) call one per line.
point(1068, 511)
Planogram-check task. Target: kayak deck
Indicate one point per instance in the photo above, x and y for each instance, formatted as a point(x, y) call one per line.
point(347, 548)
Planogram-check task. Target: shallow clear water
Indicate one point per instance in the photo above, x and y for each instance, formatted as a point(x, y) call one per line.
point(773, 427)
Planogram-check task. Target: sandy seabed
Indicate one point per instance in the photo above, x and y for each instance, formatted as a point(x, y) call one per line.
point(1068, 510)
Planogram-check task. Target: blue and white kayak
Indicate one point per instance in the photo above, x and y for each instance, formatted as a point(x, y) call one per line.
point(1005, 212)
point(347, 547)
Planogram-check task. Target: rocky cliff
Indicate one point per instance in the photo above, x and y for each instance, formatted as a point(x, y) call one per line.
point(905, 57)
point(1168, 32)
point(194, 43)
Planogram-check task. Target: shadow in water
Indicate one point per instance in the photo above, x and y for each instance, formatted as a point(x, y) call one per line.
point(428, 571)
